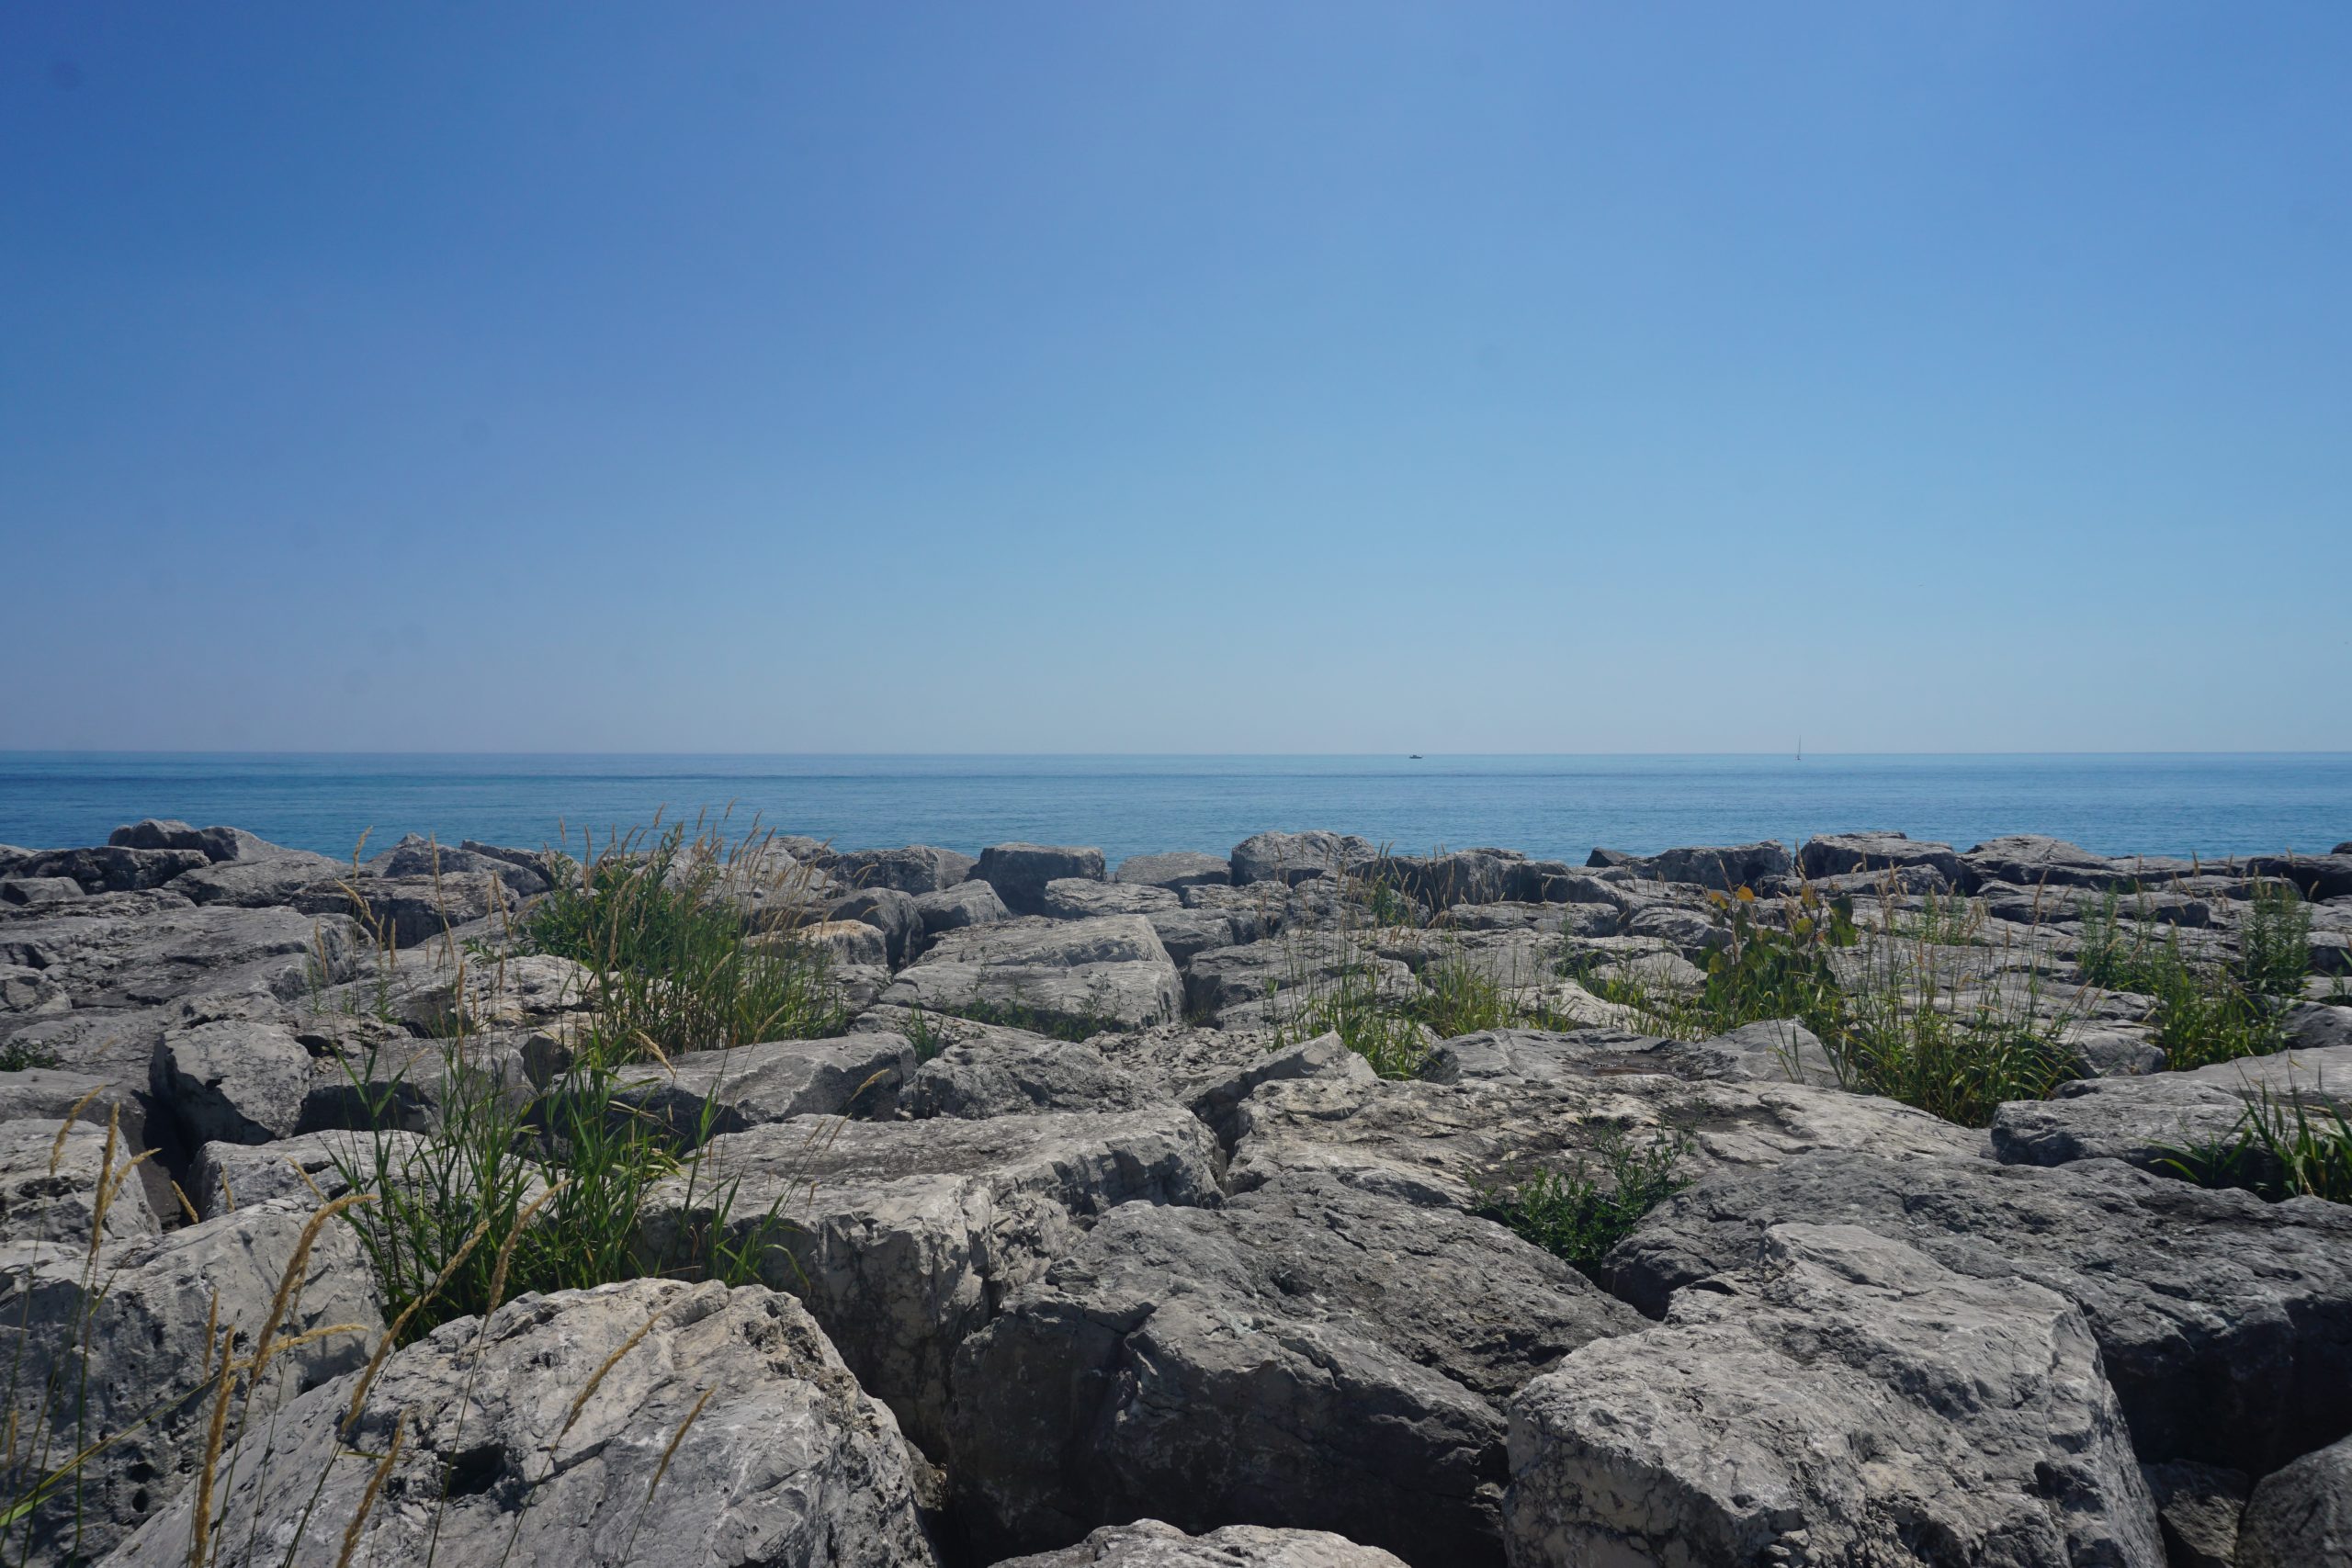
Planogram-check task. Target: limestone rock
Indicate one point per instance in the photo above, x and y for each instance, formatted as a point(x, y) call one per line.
point(1079, 898)
point(2152, 1121)
point(1306, 1355)
point(991, 1079)
point(1148, 1543)
point(2198, 1507)
point(1844, 1399)
point(902, 1236)
point(1109, 972)
point(965, 904)
point(109, 868)
point(1018, 872)
point(1180, 868)
point(2225, 1322)
point(730, 1091)
point(49, 1185)
point(2301, 1514)
point(916, 869)
point(1299, 857)
point(1842, 854)
point(788, 1460)
point(235, 1081)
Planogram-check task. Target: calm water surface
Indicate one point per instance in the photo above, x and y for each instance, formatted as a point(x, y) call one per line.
point(1560, 807)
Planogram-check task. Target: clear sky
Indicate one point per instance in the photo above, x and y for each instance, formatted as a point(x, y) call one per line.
point(1180, 376)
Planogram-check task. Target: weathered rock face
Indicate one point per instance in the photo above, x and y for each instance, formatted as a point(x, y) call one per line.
point(1079, 898)
point(787, 1461)
point(2152, 1121)
point(965, 904)
point(113, 958)
point(2198, 1507)
point(1299, 857)
point(719, 1092)
point(214, 843)
point(916, 869)
point(1181, 868)
point(1845, 1399)
point(2225, 1324)
point(234, 1081)
point(1216, 1098)
point(1435, 1143)
point(112, 869)
point(1780, 1050)
point(1018, 872)
point(902, 1237)
point(49, 1174)
point(1085, 975)
point(1723, 867)
point(892, 913)
point(2318, 876)
point(1019, 1078)
point(1148, 1543)
point(2036, 861)
point(2301, 1513)
point(418, 856)
point(1464, 877)
point(148, 1361)
point(1306, 1355)
point(1843, 854)
point(308, 1168)
point(1253, 983)
point(410, 909)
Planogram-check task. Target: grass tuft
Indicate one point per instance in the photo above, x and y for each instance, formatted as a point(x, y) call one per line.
point(1578, 1215)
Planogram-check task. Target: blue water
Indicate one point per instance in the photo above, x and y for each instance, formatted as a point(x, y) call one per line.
point(1557, 807)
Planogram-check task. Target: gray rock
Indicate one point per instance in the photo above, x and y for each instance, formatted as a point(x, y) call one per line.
point(2312, 1027)
point(902, 1236)
point(29, 993)
point(147, 1361)
point(889, 911)
point(965, 904)
point(1018, 872)
point(236, 1081)
point(1723, 867)
point(995, 1078)
point(434, 991)
point(1843, 1399)
point(1780, 1050)
point(2319, 876)
point(307, 1168)
point(845, 945)
point(916, 869)
point(417, 856)
point(1079, 898)
point(1087, 975)
point(1437, 1143)
point(215, 844)
point(1148, 1543)
point(1188, 933)
point(1299, 857)
point(1464, 877)
point(2156, 1121)
point(1237, 984)
point(1842, 854)
point(788, 1460)
point(1217, 1098)
point(27, 891)
point(717, 1093)
point(257, 883)
point(49, 1176)
point(2037, 861)
point(1694, 934)
point(107, 962)
point(111, 869)
point(2225, 1322)
point(1306, 1355)
point(408, 910)
point(2198, 1507)
point(2300, 1515)
point(1179, 868)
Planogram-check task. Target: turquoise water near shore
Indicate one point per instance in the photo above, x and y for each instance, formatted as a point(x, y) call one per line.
point(1559, 806)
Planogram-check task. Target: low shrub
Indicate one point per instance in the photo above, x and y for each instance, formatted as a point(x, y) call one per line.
point(1578, 1215)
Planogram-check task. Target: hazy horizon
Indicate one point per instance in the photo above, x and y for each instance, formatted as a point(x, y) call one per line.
point(1204, 381)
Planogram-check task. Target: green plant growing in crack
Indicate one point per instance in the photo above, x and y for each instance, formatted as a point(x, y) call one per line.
point(1577, 1214)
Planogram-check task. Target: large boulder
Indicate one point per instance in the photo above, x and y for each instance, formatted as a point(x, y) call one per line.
point(407, 910)
point(1844, 854)
point(1440, 1144)
point(1306, 1356)
point(1843, 1399)
point(308, 1168)
point(2225, 1322)
point(215, 844)
point(903, 1236)
point(2301, 1514)
point(2163, 1119)
point(109, 868)
point(257, 882)
point(888, 910)
point(1722, 866)
point(2198, 1507)
point(1177, 868)
point(1262, 982)
point(107, 959)
point(915, 869)
point(702, 1094)
point(2318, 876)
point(651, 1422)
point(2038, 861)
point(1000, 1078)
point(1299, 857)
point(238, 1081)
point(1063, 976)
point(1018, 872)
point(965, 904)
point(1082, 897)
point(1148, 1543)
point(417, 856)
point(50, 1176)
point(133, 1359)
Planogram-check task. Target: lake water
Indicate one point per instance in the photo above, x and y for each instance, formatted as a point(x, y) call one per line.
point(1552, 806)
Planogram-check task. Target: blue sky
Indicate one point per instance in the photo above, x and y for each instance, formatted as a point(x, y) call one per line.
point(1177, 377)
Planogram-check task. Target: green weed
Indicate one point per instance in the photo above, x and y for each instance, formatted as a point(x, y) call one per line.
point(2282, 1147)
point(1578, 1215)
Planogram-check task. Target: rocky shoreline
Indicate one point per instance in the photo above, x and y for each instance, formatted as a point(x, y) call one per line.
point(1875, 1201)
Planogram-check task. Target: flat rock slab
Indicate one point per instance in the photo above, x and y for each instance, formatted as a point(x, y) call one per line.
point(706, 1093)
point(2301, 1513)
point(1175, 868)
point(1089, 975)
point(1308, 1355)
point(904, 1236)
point(1019, 1078)
point(788, 1460)
point(1432, 1143)
point(50, 1175)
point(2152, 1121)
point(123, 961)
point(1845, 1399)
point(1148, 1543)
point(147, 1360)
point(2225, 1322)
